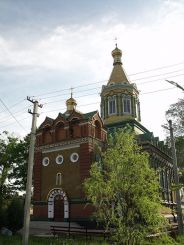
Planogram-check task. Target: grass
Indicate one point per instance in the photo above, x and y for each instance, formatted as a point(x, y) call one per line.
point(16, 240)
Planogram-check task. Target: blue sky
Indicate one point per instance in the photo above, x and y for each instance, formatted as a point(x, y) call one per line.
point(48, 46)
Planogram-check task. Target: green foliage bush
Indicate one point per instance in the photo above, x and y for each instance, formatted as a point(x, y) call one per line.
point(125, 191)
point(3, 217)
point(15, 214)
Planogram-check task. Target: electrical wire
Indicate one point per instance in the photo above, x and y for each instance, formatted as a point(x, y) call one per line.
point(12, 114)
point(13, 123)
point(10, 107)
point(92, 83)
point(157, 75)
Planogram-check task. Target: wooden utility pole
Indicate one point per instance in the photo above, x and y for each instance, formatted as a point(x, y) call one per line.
point(25, 236)
point(176, 180)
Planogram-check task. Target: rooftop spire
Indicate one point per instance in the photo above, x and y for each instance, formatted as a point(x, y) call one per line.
point(118, 74)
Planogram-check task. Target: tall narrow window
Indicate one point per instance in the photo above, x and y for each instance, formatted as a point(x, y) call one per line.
point(127, 105)
point(112, 105)
point(58, 179)
point(102, 110)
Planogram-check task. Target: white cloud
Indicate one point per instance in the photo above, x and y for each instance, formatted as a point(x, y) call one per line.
point(84, 51)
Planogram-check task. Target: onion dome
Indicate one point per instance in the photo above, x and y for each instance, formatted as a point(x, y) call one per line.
point(116, 54)
point(118, 75)
point(71, 104)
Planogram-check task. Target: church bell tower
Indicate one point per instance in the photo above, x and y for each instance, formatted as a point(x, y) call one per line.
point(120, 98)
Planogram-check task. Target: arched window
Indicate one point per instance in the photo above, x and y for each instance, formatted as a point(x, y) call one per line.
point(60, 131)
point(58, 179)
point(97, 130)
point(127, 104)
point(112, 105)
point(74, 128)
point(47, 137)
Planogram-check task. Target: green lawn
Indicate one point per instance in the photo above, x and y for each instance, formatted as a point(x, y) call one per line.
point(16, 240)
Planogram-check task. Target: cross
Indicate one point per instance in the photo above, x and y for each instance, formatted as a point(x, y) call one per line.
point(115, 39)
point(71, 91)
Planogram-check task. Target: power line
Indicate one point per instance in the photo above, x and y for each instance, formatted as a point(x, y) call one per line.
point(15, 113)
point(83, 105)
point(12, 114)
point(159, 90)
point(11, 106)
point(160, 79)
point(80, 91)
point(13, 122)
point(157, 68)
point(85, 85)
point(162, 74)
point(91, 83)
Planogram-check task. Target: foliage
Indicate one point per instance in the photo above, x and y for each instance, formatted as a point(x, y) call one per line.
point(124, 190)
point(176, 114)
point(15, 214)
point(13, 169)
point(179, 143)
point(16, 240)
point(13, 165)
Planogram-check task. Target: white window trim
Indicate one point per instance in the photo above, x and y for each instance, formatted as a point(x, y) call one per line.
point(44, 161)
point(111, 99)
point(57, 159)
point(72, 159)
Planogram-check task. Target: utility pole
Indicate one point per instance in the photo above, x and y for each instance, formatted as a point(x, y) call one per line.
point(176, 180)
point(25, 236)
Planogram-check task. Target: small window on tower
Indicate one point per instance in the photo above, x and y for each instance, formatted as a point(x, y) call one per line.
point(127, 105)
point(112, 106)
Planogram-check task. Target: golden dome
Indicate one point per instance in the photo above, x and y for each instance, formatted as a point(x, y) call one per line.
point(71, 104)
point(116, 52)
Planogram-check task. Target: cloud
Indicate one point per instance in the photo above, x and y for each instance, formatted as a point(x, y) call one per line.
point(75, 54)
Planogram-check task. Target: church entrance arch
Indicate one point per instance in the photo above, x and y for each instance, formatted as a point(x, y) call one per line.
point(58, 207)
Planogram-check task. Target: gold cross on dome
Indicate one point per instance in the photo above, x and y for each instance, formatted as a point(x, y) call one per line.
point(116, 40)
point(71, 91)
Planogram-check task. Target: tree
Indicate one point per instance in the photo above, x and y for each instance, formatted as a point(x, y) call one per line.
point(176, 114)
point(13, 165)
point(125, 190)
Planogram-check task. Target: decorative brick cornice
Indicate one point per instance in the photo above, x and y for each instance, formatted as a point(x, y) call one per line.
point(64, 143)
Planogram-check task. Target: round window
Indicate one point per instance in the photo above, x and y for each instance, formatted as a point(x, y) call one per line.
point(59, 159)
point(45, 161)
point(74, 157)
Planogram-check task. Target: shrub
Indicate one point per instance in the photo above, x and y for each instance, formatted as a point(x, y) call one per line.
point(15, 214)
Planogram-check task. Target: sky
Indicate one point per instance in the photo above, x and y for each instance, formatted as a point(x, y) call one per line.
point(47, 47)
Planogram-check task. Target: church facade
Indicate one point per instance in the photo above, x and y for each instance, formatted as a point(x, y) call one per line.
point(67, 145)
point(65, 149)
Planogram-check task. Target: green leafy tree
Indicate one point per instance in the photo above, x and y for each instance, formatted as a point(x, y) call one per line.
point(125, 190)
point(13, 165)
point(176, 114)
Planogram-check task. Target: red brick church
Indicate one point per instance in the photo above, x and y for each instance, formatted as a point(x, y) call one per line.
point(65, 149)
point(67, 145)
